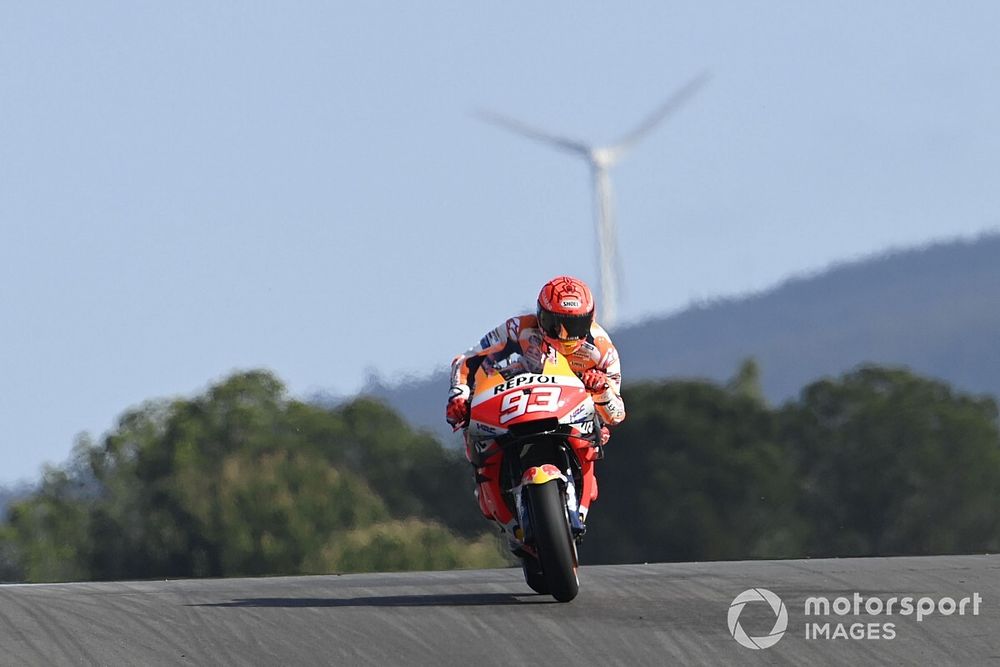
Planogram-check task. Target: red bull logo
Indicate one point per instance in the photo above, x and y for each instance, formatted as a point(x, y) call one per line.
point(542, 474)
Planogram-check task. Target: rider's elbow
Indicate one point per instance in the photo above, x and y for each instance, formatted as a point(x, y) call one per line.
point(612, 413)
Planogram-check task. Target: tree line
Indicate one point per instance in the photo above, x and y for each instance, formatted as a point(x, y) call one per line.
point(878, 462)
point(244, 480)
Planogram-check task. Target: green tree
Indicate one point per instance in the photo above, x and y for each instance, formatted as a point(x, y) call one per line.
point(694, 473)
point(746, 382)
point(892, 463)
point(45, 537)
point(406, 545)
point(241, 480)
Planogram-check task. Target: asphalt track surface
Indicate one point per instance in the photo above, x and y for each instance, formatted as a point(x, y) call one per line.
point(625, 615)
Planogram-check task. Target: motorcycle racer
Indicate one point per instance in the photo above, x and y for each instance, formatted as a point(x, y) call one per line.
point(563, 322)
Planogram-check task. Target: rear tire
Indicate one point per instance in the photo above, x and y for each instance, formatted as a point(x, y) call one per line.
point(553, 539)
point(533, 575)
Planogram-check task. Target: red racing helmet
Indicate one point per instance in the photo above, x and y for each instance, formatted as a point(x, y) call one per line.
point(565, 313)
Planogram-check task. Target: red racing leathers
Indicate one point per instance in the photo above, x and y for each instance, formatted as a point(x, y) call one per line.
point(521, 335)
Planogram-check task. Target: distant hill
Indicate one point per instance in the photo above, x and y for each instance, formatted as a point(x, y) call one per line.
point(934, 309)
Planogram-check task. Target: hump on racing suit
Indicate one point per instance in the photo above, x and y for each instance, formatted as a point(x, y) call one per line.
point(521, 335)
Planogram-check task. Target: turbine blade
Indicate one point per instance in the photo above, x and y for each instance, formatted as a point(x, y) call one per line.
point(672, 104)
point(565, 143)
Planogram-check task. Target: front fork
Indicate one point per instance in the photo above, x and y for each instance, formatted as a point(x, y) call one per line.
point(547, 474)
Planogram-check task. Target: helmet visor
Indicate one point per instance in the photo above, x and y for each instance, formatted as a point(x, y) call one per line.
point(564, 327)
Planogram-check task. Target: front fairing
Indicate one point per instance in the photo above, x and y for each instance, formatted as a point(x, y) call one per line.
point(505, 402)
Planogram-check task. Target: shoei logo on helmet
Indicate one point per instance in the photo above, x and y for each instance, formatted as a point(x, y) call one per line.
point(570, 303)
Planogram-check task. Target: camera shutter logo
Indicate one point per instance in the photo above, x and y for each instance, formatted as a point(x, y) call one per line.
point(780, 622)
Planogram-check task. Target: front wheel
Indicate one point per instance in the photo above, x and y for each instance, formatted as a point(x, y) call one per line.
point(553, 540)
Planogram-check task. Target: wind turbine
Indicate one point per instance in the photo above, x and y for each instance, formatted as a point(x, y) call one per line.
point(601, 159)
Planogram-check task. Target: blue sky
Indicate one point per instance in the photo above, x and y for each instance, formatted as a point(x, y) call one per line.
point(191, 188)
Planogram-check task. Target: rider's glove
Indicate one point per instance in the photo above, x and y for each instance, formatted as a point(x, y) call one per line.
point(457, 412)
point(605, 435)
point(594, 380)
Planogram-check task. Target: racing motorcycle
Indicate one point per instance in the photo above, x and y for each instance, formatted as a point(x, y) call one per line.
point(545, 428)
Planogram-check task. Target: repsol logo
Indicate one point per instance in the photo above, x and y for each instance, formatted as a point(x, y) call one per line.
point(522, 380)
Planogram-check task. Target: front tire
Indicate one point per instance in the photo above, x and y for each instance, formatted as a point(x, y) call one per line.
point(553, 539)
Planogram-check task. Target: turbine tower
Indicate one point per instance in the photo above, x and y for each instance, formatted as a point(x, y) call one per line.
point(601, 159)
